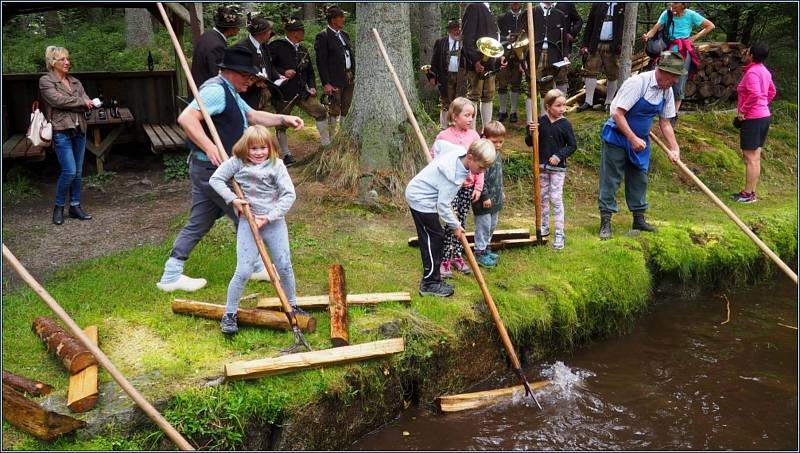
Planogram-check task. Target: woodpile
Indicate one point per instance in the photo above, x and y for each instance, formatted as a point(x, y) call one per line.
point(719, 72)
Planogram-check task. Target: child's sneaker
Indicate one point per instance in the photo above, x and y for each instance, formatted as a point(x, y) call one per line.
point(558, 241)
point(485, 260)
point(228, 325)
point(444, 269)
point(545, 230)
point(744, 197)
point(492, 254)
point(299, 311)
point(438, 289)
point(461, 266)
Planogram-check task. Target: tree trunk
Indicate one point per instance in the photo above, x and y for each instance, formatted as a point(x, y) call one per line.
point(138, 27)
point(628, 40)
point(337, 293)
point(52, 23)
point(26, 385)
point(32, 418)
point(429, 18)
point(309, 11)
point(747, 29)
point(196, 19)
point(72, 353)
point(376, 150)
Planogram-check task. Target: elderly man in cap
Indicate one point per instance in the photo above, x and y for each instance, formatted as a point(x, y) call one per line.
point(445, 73)
point(625, 150)
point(231, 116)
point(209, 48)
point(258, 95)
point(336, 65)
point(293, 62)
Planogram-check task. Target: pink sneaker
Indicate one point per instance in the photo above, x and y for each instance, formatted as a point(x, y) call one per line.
point(461, 266)
point(444, 269)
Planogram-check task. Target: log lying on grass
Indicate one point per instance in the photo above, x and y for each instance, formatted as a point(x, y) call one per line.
point(23, 384)
point(247, 316)
point(310, 302)
point(82, 391)
point(337, 294)
point(516, 233)
point(464, 401)
point(32, 418)
point(72, 353)
point(315, 359)
point(507, 244)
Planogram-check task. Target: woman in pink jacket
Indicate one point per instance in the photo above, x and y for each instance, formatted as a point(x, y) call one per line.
point(755, 92)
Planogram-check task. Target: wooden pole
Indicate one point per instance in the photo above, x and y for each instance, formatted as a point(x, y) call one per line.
point(148, 409)
point(498, 322)
point(729, 213)
point(32, 418)
point(82, 391)
point(247, 316)
point(406, 106)
point(475, 400)
point(29, 386)
point(537, 190)
point(337, 293)
point(287, 308)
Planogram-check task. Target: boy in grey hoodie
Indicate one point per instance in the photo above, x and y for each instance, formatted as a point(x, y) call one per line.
point(429, 195)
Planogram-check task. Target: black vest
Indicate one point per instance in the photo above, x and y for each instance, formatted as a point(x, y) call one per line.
point(229, 122)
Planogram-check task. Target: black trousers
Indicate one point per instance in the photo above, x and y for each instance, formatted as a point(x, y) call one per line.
point(431, 240)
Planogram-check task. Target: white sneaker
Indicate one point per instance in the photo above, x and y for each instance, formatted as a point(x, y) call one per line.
point(260, 276)
point(183, 283)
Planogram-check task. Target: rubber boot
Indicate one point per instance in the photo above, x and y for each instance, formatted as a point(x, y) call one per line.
point(605, 226)
point(283, 141)
point(324, 135)
point(639, 223)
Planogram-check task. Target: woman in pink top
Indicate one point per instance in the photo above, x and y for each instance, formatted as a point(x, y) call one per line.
point(755, 92)
point(460, 116)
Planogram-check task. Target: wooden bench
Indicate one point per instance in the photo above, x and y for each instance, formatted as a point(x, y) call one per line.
point(165, 137)
point(19, 147)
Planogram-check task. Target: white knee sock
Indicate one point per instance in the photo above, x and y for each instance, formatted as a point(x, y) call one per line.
point(486, 113)
point(443, 119)
point(283, 141)
point(324, 135)
point(563, 87)
point(611, 91)
point(502, 98)
point(512, 108)
point(528, 107)
point(591, 84)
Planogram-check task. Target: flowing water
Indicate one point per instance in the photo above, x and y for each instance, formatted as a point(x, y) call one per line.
point(681, 380)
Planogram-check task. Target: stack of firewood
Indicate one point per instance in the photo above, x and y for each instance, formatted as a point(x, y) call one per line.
point(720, 70)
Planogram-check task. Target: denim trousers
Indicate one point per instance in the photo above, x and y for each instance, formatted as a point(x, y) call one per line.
point(485, 225)
point(70, 147)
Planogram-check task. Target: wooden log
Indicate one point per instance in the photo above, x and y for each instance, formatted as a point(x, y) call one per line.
point(71, 352)
point(82, 391)
point(23, 384)
point(247, 316)
point(337, 295)
point(516, 233)
point(315, 359)
point(464, 401)
point(689, 89)
point(318, 302)
point(705, 90)
point(32, 418)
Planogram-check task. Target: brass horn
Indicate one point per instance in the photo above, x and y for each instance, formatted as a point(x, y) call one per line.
point(519, 47)
point(490, 48)
point(426, 69)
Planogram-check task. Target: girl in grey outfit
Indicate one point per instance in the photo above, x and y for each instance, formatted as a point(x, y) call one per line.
point(268, 188)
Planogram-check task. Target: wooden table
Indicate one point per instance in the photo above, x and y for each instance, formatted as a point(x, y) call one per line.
point(112, 127)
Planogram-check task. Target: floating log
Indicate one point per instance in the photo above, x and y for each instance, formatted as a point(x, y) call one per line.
point(310, 302)
point(464, 401)
point(516, 233)
point(72, 353)
point(337, 294)
point(82, 391)
point(23, 384)
point(247, 316)
point(32, 418)
point(305, 360)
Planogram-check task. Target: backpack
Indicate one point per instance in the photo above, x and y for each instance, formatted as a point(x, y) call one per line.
point(660, 41)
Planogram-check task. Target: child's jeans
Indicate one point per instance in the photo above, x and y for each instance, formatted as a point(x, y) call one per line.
point(276, 238)
point(452, 246)
point(552, 183)
point(485, 225)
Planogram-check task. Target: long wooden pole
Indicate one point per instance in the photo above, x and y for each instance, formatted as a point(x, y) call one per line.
point(287, 308)
point(729, 213)
point(403, 99)
point(137, 397)
point(537, 190)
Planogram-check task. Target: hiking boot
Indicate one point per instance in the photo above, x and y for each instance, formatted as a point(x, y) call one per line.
point(183, 283)
point(75, 212)
point(262, 276)
point(485, 260)
point(502, 116)
point(512, 118)
point(438, 289)
point(744, 197)
point(639, 223)
point(58, 215)
point(461, 266)
point(289, 160)
point(558, 241)
point(605, 226)
point(445, 270)
point(228, 324)
point(584, 107)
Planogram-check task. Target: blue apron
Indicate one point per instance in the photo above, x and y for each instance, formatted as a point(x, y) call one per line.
point(640, 120)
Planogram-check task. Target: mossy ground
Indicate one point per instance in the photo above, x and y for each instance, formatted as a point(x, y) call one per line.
point(549, 300)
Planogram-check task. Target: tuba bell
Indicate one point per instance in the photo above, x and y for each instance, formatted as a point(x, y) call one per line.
point(519, 47)
point(491, 49)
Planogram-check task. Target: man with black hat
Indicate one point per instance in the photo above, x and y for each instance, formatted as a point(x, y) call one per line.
point(336, 65)
point(625, 151)
point(293, 62)
point(209, 48)
point(231, 116)
point(478, 22)
point(512, 25)
point(258, 95)
point(602, 44)
point(450, 79)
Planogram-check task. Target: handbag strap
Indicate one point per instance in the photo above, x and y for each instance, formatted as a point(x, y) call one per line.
point(34, 105)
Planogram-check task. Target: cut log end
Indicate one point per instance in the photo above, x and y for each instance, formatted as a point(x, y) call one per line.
point(23, 384)
point(83, 405)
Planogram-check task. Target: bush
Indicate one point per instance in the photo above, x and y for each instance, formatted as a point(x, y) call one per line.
point(18, 186)
point(175, 167)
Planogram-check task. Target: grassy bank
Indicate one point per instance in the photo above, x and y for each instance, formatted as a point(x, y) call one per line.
point(549, 300)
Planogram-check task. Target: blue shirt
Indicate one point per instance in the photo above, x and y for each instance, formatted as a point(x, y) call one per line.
point(213, 96)
point(683, 25)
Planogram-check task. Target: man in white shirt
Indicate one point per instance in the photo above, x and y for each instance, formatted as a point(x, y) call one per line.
point(602, 44)
point(446, 74)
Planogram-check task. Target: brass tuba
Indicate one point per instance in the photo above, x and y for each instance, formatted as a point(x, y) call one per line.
point(491, 49)
point(519, 47)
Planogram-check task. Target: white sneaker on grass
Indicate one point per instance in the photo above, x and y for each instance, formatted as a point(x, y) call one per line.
point(262, 276)
point(183, 283)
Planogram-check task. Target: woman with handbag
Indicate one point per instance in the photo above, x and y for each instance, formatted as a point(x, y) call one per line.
point(67, 103)
point(680, 39)
point(755, 91)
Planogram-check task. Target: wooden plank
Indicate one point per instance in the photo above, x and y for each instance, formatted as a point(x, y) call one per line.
point(311, 302)
point(155, 140)
point(174, 139)
point(23, 384)
point(293, 362)
point(337, 296)
point(82, 391)
point(464, 401)
point(516, 233)
point(248, 316)
point(32, 418)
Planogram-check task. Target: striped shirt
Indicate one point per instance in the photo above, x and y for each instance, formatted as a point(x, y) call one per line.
point(631, 91)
